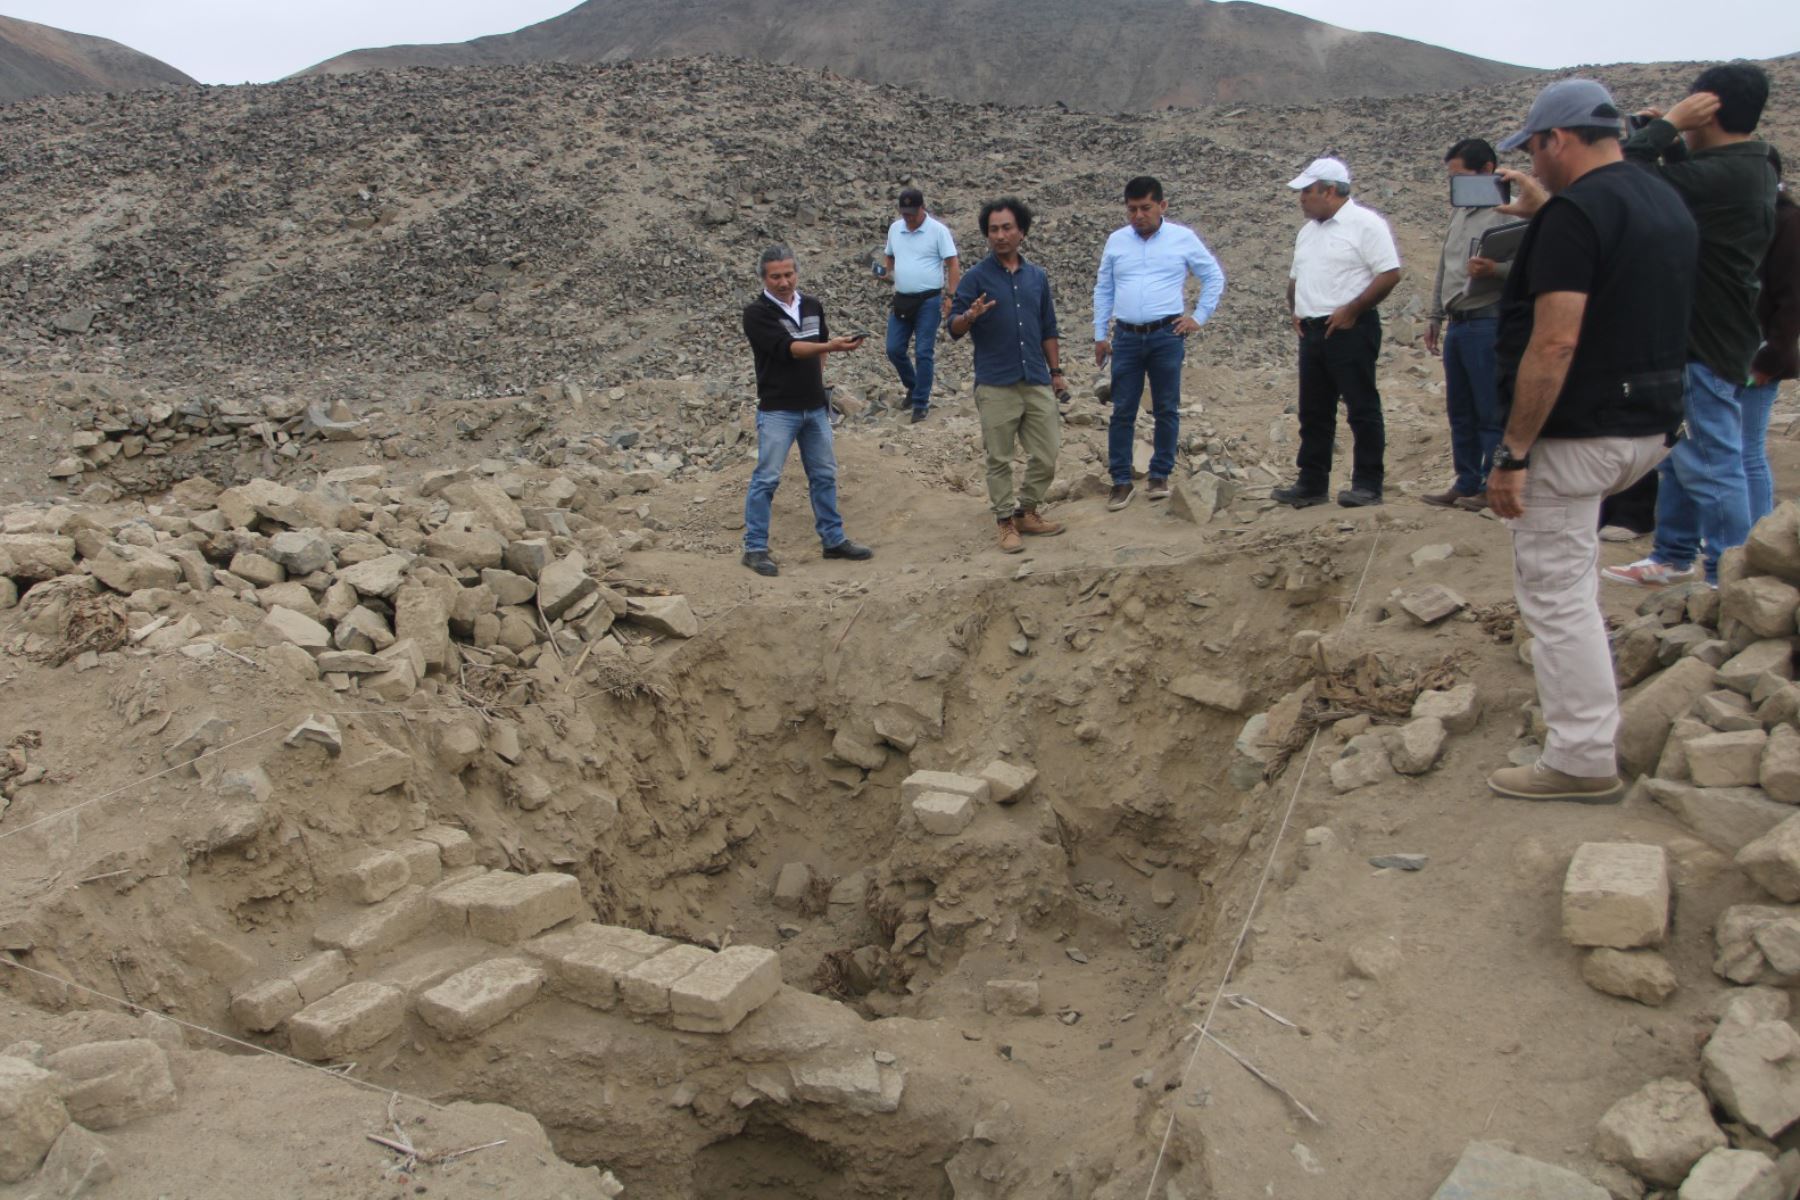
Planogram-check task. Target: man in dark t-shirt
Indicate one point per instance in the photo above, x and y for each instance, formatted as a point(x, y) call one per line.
point(1593, 324)
point(790, 340)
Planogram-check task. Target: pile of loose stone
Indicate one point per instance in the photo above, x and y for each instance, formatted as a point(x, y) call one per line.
point(367, 586)
point(153, 428)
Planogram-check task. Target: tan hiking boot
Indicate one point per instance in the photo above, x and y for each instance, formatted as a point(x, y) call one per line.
point(1029, 523)
point(1010, 541)
point(1538, 782)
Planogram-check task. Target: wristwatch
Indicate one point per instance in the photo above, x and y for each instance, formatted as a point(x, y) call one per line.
point(1506, 460)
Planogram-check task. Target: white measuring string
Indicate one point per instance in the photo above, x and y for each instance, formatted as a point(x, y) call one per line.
point(137, 783)
point(1262, 882)
point(224, 1037)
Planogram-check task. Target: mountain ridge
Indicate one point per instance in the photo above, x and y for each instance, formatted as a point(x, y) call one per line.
point(1134, 55)
point(42, 60)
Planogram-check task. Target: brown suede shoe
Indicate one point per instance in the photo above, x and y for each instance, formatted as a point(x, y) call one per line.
point(1476, 503)
point(1444, 499)
point(1010, 541)
point(1030, 524)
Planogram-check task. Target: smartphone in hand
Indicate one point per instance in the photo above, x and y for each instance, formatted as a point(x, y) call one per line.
point(1479, 191)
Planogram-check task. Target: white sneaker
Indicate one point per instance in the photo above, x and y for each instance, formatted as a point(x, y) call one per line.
point(1647, 572)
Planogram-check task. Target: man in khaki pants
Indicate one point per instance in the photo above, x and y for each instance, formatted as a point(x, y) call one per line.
point(1591, 350)
point(1004, 301)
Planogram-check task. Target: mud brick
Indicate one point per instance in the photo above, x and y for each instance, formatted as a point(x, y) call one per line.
point(943, 814)
point(424, 864)
point(645, 988)
point(920, 782)
point(717, 994)
point(506, 908)
point(108, 1084)
point(585, 961)
point(375, 875)
point(481, 996)
point(1211, 691)
point(1727, 759)
point(1429, 605)
point(456, 848)
point(405, 914)
point(353, 1018)
point(1014, 997)
point(266, 1005)
point(1008, 782)
point(1616, 894)
point(31, 1117)
point(422, 972)
point(320, 975)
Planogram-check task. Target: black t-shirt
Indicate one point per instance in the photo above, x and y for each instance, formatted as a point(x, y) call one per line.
point(1622, 238)
point(785, 383)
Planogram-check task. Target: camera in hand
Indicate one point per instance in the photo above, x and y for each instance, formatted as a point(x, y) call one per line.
point(1479, 191)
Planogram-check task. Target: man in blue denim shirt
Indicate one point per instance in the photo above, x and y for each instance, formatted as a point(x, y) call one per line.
point(1005, 302)
point(789, 339)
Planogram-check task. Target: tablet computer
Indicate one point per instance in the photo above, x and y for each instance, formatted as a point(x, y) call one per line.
point(1500, 243)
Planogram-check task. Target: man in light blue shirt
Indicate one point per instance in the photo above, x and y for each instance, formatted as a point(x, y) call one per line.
point(1140, 292)
point(921, 256)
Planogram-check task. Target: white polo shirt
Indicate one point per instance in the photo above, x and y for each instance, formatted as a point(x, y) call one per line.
point(1335, 260)
point(919, 254)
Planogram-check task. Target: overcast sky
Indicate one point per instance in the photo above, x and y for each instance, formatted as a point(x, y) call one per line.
point(234, 41)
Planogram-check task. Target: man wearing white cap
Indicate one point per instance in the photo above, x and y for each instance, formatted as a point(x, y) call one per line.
point(1590, 353)
point(1345, 263)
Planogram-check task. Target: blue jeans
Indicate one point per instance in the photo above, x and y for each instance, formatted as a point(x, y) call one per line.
point(776, 433)
point(1158, 355)
point(1472, 400)
point(1758, 399)
point(1702, 495)
point(922, 328)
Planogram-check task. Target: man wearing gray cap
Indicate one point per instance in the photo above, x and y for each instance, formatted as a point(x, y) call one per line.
point(1593, 329)
point(1345, 264)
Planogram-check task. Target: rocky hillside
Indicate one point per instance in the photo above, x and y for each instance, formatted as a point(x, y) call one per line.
point(38, 60)
point(483, 232)
point(1136, 54)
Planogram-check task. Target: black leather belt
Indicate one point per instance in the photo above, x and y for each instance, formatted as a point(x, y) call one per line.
point(1486, 312)
point(1313, 322)
point(1152, 327)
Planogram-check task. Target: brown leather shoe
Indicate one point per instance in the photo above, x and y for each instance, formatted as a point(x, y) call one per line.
point(1028, 522)
point(1010, 541)
point(1475, 503)
point(1444, 499)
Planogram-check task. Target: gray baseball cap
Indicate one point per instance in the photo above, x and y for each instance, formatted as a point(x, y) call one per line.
point(1568, 104)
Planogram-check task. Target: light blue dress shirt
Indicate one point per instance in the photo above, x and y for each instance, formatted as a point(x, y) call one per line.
point(1141, 279)
point(919, 255)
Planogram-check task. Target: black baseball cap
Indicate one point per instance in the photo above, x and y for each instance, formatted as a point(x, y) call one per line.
point(912, 198)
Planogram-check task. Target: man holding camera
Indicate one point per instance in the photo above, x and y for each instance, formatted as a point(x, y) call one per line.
point(921, 257)
point(1467, 296)
point(1590, 352)
point(1703, 147)
point(1140, 293)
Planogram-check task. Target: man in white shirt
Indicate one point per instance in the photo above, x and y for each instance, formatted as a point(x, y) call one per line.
point(1140, 290)
point(921, 256)
point(1345, 263)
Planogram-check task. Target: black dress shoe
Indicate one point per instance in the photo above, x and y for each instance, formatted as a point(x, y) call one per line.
point(760, 562)
point(919, 414)
point(1357, 497)
point(849, 549)
point(1294, 497)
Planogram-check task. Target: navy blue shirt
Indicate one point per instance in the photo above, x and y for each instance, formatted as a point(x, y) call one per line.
point(1009, 337)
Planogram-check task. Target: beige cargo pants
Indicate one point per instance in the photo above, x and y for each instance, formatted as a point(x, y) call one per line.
point(1019, 414)
point(1556, 555)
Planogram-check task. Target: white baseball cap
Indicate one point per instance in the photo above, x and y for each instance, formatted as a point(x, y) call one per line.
point(1321, 170)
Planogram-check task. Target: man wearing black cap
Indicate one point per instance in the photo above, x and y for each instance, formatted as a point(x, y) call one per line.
point(1593, 325)
point(921, 257)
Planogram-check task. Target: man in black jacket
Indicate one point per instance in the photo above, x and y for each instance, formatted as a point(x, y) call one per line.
point(789, 340)
point(1593, 323)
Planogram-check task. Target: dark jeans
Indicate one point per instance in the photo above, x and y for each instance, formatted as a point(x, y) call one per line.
point(921, 328)
point(1340, 367)
point(1472, 400)
point(1158, 355)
